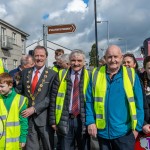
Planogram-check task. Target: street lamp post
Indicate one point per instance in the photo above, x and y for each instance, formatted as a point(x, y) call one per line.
point(96, 39)
point(121, 39)
point(107, 30)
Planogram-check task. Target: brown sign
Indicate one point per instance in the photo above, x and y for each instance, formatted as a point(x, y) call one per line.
point(61, 28)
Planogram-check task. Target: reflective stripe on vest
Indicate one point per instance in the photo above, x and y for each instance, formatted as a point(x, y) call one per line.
point(62, 91)
point(99, 92)
point(1, 66)
point(128, 75)
point(11, 122)
point(55, 69)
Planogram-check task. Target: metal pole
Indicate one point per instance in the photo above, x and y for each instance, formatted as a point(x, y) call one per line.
point(45, 39)
point(96, 41)
point(44, 36)
point(108, 33)
point(126, 45)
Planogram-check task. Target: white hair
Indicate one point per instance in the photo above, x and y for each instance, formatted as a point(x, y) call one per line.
point(77, 52)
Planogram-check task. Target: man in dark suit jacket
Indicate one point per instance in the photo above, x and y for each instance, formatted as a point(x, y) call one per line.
point(38, 100)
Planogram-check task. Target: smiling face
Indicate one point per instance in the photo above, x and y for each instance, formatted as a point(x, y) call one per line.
point(5, 88)
point(77, 62)
point(113, 58)
point(40, 57)
point(129, 62)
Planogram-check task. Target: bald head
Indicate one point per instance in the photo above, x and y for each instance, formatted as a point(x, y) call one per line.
point(114, 49)
point(113, 57)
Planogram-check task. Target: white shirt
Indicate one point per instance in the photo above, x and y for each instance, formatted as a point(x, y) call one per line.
point(39, 74)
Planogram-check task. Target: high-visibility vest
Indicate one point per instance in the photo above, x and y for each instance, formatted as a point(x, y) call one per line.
point(10, 138)
point(55, 69)
point(1, 66)
point(62, 91)
point(99, 94)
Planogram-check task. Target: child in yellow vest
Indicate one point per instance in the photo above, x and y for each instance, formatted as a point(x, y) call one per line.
point(11, 106)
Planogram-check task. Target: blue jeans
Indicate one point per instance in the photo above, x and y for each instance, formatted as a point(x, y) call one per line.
point(125, 142)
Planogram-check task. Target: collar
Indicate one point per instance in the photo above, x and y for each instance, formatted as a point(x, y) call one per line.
point(40, 70)
point(73, 72)
point(9, 94)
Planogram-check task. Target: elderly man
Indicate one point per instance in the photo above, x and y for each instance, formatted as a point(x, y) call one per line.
point(114, 104)
point(36, 84)
point(23, 63)
point(64, 61)
point(67, 107)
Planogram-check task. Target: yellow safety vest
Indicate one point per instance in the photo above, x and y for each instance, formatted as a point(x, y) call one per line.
point(99, 93)
point(55, 69)
point(62, 91)
point(1, 66)
point(10, 138)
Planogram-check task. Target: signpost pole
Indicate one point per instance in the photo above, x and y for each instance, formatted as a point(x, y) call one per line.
point(45, 39)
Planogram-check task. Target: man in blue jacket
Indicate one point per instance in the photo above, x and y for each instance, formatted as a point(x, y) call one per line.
point(114, 104)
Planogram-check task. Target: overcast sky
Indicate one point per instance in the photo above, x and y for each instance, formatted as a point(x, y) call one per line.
point(128, 20)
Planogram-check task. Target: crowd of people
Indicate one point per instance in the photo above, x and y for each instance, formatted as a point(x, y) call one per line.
point(110, 102)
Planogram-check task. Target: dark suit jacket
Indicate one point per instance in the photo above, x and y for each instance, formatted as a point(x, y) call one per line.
point(42, 100)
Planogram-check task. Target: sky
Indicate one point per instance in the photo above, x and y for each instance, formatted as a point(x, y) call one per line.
point(128, 21)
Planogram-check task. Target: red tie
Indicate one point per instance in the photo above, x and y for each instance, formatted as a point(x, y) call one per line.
point(35, 81)
point(75, 99)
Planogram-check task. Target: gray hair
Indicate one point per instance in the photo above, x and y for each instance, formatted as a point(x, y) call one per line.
point(65, 58)
point(77, 52)
point(23, 60)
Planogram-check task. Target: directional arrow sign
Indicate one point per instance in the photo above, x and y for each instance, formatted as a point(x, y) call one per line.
point(61, 28)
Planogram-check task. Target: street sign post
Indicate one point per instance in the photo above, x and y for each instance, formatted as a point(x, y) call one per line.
point(61, 28)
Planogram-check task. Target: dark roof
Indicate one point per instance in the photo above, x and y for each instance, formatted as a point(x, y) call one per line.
point(13, 28)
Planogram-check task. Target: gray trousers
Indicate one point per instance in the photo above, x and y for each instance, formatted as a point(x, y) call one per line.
point(38, 137)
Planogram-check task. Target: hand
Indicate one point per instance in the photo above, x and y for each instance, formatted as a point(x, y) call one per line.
point(54, 127)
point(22, 145)
point(28, 112)
point(92, 130)
point(146, 128)
point(135, 133)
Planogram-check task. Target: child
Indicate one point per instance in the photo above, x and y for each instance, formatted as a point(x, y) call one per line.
point(11, 106)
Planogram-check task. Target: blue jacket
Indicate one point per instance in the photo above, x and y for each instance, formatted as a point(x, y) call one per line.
point(14, 71)
point(118, 122)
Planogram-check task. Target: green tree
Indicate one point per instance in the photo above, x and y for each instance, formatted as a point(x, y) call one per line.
point(92, 55)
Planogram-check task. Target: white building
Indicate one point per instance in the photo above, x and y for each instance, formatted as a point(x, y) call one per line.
point(51, 47)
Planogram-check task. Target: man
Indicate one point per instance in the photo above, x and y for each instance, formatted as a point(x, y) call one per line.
point(30, 62)
point(67, 107)
point(36, 83)
point(58, 53)
point(114, 104)
point(64, 61)
point(23, 62)
point(26, 61)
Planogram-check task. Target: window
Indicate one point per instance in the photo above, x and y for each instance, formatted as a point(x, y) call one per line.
point(5, 62)
point(23, 46)
point(3, 36)
point(14, 63)
point(14, 38)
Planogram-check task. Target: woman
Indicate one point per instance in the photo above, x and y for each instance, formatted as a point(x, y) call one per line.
point(130, 61)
